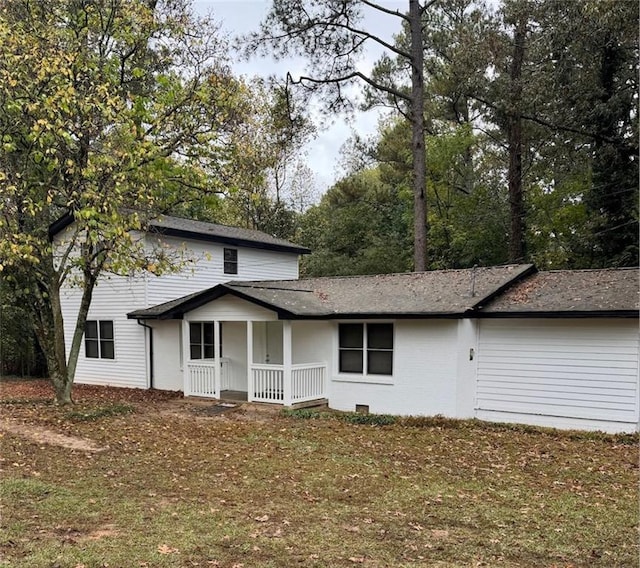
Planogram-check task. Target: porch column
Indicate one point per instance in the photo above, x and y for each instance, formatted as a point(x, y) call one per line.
point(217, 371)
point(250, 389)
point(186, 383)
point(286, 362)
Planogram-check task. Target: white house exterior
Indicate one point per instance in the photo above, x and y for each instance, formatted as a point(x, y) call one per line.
point(119, 351)
point(555, 349)
point(504, 343)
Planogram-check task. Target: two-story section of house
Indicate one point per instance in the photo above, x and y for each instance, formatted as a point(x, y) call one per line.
point(124, 352)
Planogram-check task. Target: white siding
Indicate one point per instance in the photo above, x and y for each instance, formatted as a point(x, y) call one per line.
point(116, 296)
point(113, 298)
point(230, 308)
point(312, 342)
point(205, 269)
point(467, 347)
point(561, 373)
point(424, 374)
point(234, 348)
point(167, 369)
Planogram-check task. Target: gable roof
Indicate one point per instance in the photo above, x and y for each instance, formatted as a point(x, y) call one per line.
point(204, 231)
point(571, 293)
point(433, 294)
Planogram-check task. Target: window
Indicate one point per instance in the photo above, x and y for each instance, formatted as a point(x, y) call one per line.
point(230, 261)
point(201, 340)
point(98, 339)
point(373, 339)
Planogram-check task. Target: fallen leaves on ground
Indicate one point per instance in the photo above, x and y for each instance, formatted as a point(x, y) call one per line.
point(176, 488)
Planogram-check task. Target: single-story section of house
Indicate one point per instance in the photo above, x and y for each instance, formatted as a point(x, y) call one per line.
point(502, 343)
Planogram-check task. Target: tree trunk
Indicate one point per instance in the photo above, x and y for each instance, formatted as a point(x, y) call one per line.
point(418, 139)
point(49, 330)
point(514, 135)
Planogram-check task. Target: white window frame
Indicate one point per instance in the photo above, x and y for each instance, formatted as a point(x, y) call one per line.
point(235, 262)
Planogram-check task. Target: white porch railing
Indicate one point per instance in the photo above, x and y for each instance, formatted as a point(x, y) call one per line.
point(267, 383)
point(308, 382)
point(201, 377)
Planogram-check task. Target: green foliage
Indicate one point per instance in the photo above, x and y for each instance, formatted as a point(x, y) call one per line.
point(19, 352)
point(349, 417)
point(112, 112)
point(359, 227)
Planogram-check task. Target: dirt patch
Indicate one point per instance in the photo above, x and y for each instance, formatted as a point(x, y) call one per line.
point(42, 435)
point(213, 409)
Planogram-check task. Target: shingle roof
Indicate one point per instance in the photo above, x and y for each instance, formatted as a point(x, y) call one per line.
point(204, 231)
point(438, 293)
point(222, 233)
point(606, 290)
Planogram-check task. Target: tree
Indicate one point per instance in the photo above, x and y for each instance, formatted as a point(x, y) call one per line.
point(595, 66)
point(110, 112)
point(330, 35)
point(269, 170)
point(360, 226)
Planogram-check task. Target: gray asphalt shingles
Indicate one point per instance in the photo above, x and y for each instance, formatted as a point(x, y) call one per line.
point(604, 290)
point(432, 293)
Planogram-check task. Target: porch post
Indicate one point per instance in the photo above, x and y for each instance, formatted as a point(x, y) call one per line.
point(250, 389)
point(186, 388)
point(286, 362)
point(217, 371)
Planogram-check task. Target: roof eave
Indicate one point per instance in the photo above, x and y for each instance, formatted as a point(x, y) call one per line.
point(379, 316)
point(555, 314)
point(185, 234)
point(60, 224)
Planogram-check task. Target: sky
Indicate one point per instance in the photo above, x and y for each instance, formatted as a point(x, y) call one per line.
point(242, 16)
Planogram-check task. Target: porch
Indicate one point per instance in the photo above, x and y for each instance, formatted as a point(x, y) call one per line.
point(252, 361)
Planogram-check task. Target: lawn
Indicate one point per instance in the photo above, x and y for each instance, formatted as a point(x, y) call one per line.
point(175, 487)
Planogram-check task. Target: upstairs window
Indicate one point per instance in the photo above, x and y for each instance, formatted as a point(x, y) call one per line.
point(230, 261)
point(98, 339)
point(366, 348)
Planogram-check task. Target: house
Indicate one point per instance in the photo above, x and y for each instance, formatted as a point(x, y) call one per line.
point(561, 349)
point(500, 343)
point(504, 343)
point(121, 352)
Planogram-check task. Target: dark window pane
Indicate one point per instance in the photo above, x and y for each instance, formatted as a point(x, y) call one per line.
point(208, 352)
point(91, 330)
point(379, 362)
point(351, 335)
point(208, 333)
point(106, 349)
point(195, 333)
point(350, 361)
point(230, 255)
point(231, 268)
point(380, 336)
point(106, 330)
point(196, 352)
point(91, 348)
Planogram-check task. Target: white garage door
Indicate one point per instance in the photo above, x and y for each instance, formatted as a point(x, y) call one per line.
point(584, 369)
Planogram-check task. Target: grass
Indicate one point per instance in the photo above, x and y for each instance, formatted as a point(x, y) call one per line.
point(97, 412)
point(176, 489)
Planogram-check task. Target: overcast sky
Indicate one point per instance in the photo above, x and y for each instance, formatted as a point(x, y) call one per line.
point(242, 16)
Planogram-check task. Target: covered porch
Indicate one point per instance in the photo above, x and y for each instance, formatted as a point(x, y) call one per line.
point(266, 361)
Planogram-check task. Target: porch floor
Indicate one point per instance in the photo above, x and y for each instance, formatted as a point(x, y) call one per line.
point(233, 395)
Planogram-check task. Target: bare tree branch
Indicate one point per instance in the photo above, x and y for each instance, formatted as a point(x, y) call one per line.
point(353, 75)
